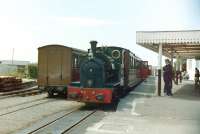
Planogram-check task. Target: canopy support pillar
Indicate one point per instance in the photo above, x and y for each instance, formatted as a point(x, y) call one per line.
point(159, 68)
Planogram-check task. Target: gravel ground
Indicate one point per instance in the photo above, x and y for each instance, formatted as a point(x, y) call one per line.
point(7, 102)
point(13, 122)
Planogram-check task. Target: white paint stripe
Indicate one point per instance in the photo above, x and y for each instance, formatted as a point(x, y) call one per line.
point(97, 128)
point(128, 130)
point(133, 109)
point(105, 131)
point(141, 93)
point(147, 84)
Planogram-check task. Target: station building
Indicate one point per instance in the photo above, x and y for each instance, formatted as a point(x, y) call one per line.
point(182, 47)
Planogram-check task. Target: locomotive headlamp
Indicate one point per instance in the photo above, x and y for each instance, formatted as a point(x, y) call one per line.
point(73, 95)
point(89, 83)
point(91, 70)
point(100, 97)
point(113, 66)
point(116, 54)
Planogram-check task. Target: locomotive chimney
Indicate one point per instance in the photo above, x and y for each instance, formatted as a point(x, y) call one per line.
point(93, 47)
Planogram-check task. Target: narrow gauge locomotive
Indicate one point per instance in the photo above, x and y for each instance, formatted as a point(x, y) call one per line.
point(105, 75)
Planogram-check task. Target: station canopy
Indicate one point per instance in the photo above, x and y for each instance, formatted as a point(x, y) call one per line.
point(185, 44)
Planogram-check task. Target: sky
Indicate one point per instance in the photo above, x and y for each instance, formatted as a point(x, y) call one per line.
point(26, 25)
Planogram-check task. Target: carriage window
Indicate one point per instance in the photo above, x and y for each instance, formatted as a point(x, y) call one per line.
point(137, 64)
point(75, 62)
point(132, 62)
point(130, 65)
point(145, 63)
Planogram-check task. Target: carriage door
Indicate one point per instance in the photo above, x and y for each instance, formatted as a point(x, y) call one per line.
point(66, 66)
point(42, 67)
point(75, 67)
point(126, 67)
point(54, 66)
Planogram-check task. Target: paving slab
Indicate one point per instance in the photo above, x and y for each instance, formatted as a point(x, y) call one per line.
point(147, 87)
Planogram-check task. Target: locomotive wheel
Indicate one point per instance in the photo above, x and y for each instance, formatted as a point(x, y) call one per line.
point(122, 92)
point(115, 100)
point(110, 107)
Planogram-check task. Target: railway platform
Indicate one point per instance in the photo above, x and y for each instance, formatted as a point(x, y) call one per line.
point(143, 112)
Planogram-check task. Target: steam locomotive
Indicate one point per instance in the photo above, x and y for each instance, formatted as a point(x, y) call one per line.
point(106, 74)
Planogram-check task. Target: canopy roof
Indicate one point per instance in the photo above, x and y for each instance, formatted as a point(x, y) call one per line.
point(184, 43)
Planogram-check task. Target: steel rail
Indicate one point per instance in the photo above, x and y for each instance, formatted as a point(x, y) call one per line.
point(23, 92)
point(20, 109)
point(27, 102)
point(55, 120)
point(79, 122)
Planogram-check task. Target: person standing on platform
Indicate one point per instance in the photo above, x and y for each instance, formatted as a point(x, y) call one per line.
point(168, 76)
point(196, 76)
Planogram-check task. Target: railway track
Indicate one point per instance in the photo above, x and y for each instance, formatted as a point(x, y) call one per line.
point(59, 123)
point(22, 92)
point(23, 106)
point(18, 104)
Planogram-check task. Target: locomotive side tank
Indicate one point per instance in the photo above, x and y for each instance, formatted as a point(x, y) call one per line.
point(105, 75)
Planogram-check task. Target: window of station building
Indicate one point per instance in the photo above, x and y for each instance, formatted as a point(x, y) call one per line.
point(198, 63)
point(189, 64)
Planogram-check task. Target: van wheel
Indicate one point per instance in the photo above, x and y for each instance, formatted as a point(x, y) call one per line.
point(64, 94)
point(50, 94)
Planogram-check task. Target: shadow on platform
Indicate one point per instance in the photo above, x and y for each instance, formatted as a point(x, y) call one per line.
point(187, 90)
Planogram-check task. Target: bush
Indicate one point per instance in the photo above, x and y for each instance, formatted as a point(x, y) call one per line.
point(32, 71)
point(29, 71)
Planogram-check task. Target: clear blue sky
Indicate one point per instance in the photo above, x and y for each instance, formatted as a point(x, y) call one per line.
point(27, 24)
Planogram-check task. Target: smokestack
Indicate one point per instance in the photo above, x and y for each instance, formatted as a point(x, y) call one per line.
point(93, 47)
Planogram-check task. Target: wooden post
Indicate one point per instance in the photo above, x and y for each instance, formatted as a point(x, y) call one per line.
point(172, 55)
